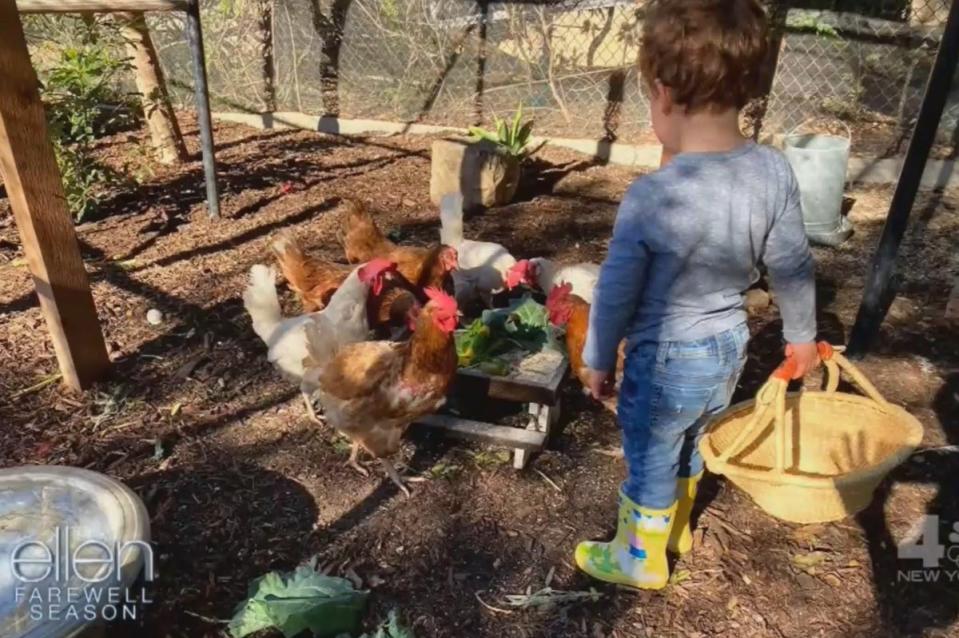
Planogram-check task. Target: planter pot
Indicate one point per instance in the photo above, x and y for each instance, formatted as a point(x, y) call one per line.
point(479, 171)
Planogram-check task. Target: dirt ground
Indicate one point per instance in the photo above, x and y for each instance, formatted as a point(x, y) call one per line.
point(238, 482)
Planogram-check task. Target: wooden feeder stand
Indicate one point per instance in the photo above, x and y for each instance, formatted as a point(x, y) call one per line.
point(541, 394)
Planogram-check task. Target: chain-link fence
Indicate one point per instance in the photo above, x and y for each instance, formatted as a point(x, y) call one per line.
point(863, 63)
point(570, 63)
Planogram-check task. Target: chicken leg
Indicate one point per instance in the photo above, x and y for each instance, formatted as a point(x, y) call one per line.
point(311, 411)
point(308, 385)
point(354, 460)
point(394, 476)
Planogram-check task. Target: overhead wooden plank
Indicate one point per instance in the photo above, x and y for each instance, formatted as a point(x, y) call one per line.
point(99, 6)
point(35, 191)
point(503, 435)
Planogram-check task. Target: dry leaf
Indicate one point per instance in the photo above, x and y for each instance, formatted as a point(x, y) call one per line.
point(732, 604)
point(807, 561)
point(832, 579)
point(127, 264)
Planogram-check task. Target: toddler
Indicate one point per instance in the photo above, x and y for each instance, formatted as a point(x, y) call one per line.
point(686, 241)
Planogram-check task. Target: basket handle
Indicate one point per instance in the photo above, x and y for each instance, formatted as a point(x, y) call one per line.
point(770, 399)
point(771, 403)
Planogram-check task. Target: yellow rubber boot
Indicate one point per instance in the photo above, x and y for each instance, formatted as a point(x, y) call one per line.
point(636, 557)
point(681, 535)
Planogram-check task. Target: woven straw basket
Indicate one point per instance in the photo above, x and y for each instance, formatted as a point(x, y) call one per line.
point(811, 457)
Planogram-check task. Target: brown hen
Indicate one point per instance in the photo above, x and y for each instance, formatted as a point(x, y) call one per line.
point(313, 280)
point(572, 312)
point(422, 267)
point(372, 391)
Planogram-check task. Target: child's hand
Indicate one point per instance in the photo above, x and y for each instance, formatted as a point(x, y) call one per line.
point(806, 356)
point(600, 383)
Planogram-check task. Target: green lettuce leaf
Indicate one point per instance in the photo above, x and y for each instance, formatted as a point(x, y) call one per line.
point(299, 601)
point(528, 316)
point(522, 326)
point(472, 343)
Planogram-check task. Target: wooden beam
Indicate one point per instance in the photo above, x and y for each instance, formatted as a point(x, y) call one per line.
point(98, 6)
point(32, 179)
point(503, 435)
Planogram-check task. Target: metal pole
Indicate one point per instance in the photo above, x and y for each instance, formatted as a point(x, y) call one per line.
point(194, 36)
point(872, 310)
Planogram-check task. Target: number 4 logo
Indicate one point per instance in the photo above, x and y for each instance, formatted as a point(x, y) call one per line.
point(926, 545)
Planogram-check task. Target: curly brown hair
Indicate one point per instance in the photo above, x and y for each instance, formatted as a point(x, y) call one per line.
point(708, 52)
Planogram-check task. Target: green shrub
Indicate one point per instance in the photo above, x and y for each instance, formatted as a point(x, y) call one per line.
point(84, 177)
point(82, 103)
point(80, 94)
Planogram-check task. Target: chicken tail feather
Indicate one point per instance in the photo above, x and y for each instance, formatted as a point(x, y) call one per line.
point(262, 302)
point(357, 216)
point(294, 264)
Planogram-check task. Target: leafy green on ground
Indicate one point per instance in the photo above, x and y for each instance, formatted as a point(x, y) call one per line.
point(298, 601)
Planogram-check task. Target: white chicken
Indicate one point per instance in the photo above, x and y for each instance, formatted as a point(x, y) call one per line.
point(343, 321)
point(583, 276)
point(484, 266)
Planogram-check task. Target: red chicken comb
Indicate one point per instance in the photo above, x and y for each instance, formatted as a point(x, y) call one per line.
point(441, 299)
point(558, 304)
point(559, 294)
point(374, 267)
point(520, 273)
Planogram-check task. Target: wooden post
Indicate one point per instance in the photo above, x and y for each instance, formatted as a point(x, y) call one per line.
point(33, 184)
point(165, 133)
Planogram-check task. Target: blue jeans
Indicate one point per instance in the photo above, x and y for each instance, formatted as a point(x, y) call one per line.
point(669, 392)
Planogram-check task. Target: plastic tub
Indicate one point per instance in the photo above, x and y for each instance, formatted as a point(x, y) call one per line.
point(49, 513)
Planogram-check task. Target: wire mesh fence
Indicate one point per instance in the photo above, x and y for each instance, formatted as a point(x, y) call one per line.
point(865, 64)
point(571, 64)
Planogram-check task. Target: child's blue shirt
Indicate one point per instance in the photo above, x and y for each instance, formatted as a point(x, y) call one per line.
point(685, 243)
